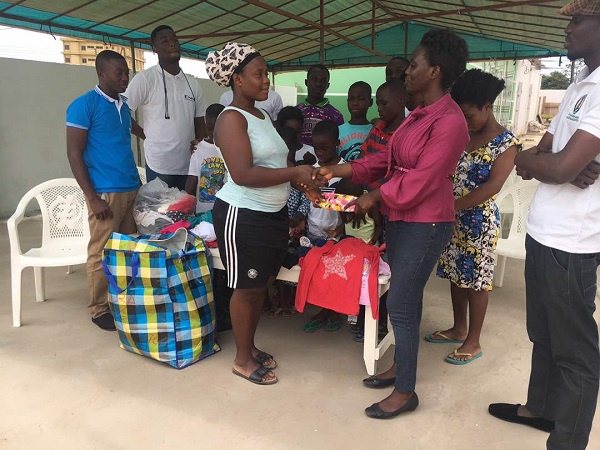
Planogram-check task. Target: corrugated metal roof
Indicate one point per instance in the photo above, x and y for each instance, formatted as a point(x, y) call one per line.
point(288, 32)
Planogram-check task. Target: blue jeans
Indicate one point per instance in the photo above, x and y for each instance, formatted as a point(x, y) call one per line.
point(413, 250)
point(177, 181)
point(565, 362)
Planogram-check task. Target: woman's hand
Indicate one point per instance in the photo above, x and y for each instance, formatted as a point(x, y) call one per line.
point(304, 181)
point(322, 173)
point(304, 177)
point(365, 202)
point(358, 220)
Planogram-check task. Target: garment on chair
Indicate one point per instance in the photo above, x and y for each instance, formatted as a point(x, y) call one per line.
point(331, 276)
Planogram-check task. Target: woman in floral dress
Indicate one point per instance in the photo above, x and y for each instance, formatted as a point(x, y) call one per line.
point(469, 258)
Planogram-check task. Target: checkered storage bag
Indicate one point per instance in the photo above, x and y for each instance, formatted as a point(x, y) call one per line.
point(160, 294)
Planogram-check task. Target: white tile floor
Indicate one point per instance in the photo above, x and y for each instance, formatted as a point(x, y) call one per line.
point(67, 385)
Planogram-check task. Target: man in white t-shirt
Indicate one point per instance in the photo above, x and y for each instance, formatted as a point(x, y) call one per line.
point(563, 252)
point(173, 111)
point(272, 105)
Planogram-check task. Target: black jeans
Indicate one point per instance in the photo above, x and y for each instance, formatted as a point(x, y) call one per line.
point(177, 181)
point(565, 363)
point(413, 250)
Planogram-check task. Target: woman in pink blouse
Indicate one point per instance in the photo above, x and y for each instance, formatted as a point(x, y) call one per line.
point(419, 163)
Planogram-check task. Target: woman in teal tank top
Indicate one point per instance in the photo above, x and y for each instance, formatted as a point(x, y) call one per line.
point(250, 213)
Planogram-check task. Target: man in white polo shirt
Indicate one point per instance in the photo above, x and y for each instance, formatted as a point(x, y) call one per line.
point(272, 105)
point(173, 111)
point(563, 252)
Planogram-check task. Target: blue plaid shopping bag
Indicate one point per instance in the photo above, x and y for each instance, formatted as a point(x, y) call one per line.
point(160, 294)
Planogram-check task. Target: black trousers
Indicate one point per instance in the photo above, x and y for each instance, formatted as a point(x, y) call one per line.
point(565, 363)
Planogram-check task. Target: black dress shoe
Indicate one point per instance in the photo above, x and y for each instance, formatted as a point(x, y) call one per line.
point(509, 413)
point(375, 412)
point(105, 321)
point(375, 382)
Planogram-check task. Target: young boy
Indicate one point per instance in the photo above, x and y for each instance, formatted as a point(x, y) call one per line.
point(207, 169)
point(316, 107)
point(325, 224)
point(354, 132)
point(369, 228)
point(298, 207)
point(391, 100)
point(292, 117)
point(396, 68)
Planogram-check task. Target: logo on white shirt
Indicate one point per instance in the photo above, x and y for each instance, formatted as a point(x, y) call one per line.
point(574, 116)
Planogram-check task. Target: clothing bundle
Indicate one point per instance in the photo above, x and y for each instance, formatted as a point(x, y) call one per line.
point(159, 209)
point(331, 276)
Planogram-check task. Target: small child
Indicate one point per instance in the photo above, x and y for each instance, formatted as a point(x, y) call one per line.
point(298, 203)
point(207, 169)
point(391, 100)
point(354, 132)
point(325, 224)
point(316, 107)
point(367, 227)
point(282, 303)
point(292, 117)
point(396, 68)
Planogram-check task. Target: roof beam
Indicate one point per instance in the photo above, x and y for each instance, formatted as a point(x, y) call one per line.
point(320, 27)
point(160, 19)
point(13, 5)
point(64, 13)
point(329, 27)
point(473, 20)
point(141, 6)
point(416, 17)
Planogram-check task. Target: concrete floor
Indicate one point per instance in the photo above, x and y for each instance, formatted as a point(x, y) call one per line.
point(67, 385)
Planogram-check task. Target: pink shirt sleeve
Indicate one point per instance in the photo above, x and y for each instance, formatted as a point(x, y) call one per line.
point(370, 168)
point(435, 167)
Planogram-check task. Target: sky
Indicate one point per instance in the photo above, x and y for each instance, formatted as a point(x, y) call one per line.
point(24, 44)
point(44, 47)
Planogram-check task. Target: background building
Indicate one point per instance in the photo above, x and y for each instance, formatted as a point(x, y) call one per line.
point(82, 52)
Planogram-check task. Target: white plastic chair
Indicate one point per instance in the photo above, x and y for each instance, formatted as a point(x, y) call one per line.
point(142, 174)
point(513, 246)
point(65, 235)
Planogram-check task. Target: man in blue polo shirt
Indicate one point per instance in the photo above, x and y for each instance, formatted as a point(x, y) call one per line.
point(99, 152)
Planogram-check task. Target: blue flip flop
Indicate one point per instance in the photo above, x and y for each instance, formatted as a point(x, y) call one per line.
point(445, 340)
point(451, 358)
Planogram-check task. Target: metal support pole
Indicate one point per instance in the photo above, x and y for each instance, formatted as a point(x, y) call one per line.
point(406, 24)
point(373, 26)
point(322, 33)
point(135, 114)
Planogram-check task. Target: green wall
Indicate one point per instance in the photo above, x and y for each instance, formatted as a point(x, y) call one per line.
point(340, 81)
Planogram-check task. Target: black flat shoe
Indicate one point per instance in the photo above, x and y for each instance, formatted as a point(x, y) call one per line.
point(375, 382)
point(375, 412)
point(509, 413)
point(105, 322)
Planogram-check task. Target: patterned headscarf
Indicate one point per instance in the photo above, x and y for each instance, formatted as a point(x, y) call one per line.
point(220, 65)
point(581, 8)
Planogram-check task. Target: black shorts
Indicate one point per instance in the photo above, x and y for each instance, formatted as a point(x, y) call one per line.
point(252, 244)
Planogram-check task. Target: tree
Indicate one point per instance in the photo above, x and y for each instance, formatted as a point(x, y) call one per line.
point(579, 65)
point(556, 80)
